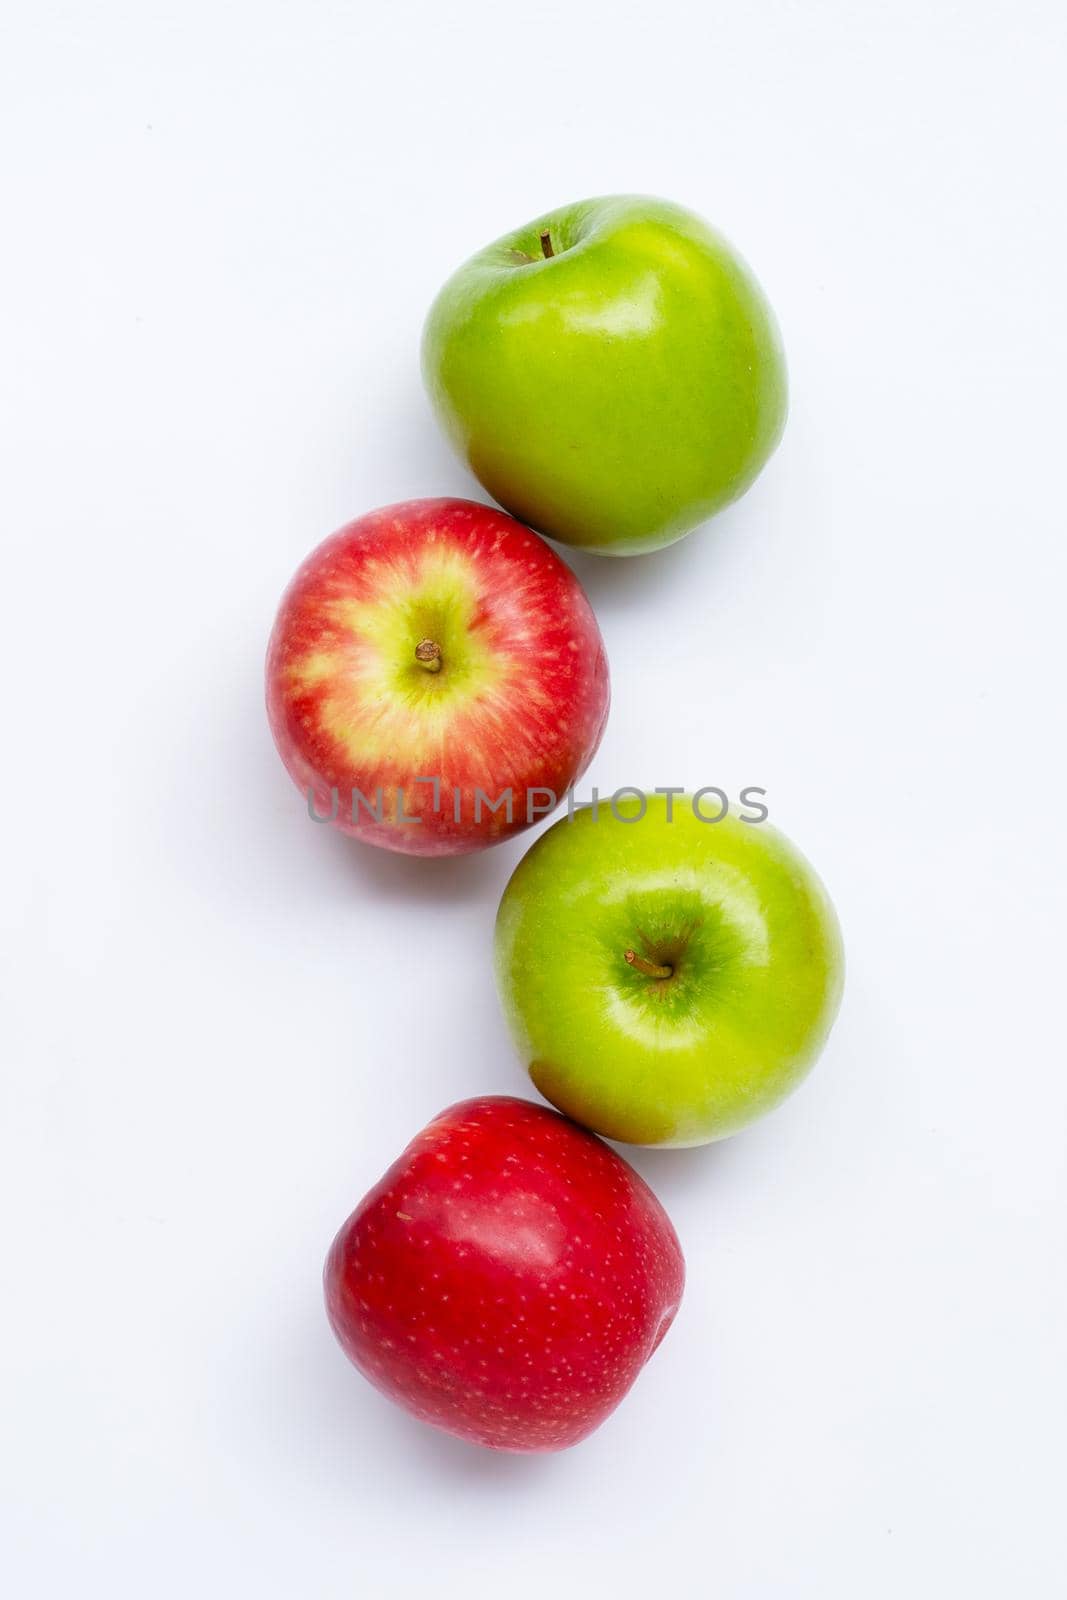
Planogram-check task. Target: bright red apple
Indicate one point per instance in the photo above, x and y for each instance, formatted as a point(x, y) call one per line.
point(436, 679)
point(507, 1279)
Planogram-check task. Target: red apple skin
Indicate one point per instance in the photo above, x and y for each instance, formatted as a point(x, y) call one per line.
point(519, 701)
point(507, 1279)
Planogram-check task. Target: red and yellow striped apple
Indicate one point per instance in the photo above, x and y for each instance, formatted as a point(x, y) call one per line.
point(436, 679)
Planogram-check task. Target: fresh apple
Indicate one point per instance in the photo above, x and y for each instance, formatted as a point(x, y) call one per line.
point(667, 979)
point(436, 679)
point(612, 372)
point(507, 1279)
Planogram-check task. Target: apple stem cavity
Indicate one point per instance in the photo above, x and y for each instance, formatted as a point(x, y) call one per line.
point(428, 655)
point(546, 244)
point(651, 969)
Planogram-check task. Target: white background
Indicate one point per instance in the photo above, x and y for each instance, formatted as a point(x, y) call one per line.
point(223, 225)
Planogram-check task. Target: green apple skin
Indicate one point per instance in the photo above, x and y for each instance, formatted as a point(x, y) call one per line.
point(739, 917)
point(617, 394)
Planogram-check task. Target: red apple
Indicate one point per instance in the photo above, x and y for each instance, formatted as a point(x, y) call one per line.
point(507, 1279)
point(436, 679)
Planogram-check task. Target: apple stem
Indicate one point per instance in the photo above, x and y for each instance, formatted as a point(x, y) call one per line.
point(649, 968)
point(428, 655)
point(546, 244)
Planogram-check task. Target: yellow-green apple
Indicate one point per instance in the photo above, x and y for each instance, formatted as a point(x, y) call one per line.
point(612, 372)
point(507, 1279)
point(667, 978)
point(436, 679)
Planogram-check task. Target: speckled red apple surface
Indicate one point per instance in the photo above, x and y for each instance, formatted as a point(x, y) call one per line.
point(424, 653)
point(507, 1279)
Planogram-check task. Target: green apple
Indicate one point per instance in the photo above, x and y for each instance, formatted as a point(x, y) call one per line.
point(612, 373)
point(667, 979)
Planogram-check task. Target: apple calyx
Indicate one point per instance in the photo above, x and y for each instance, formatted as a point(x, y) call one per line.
point(428, 655)
point(546, 244)
point(650, 968)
